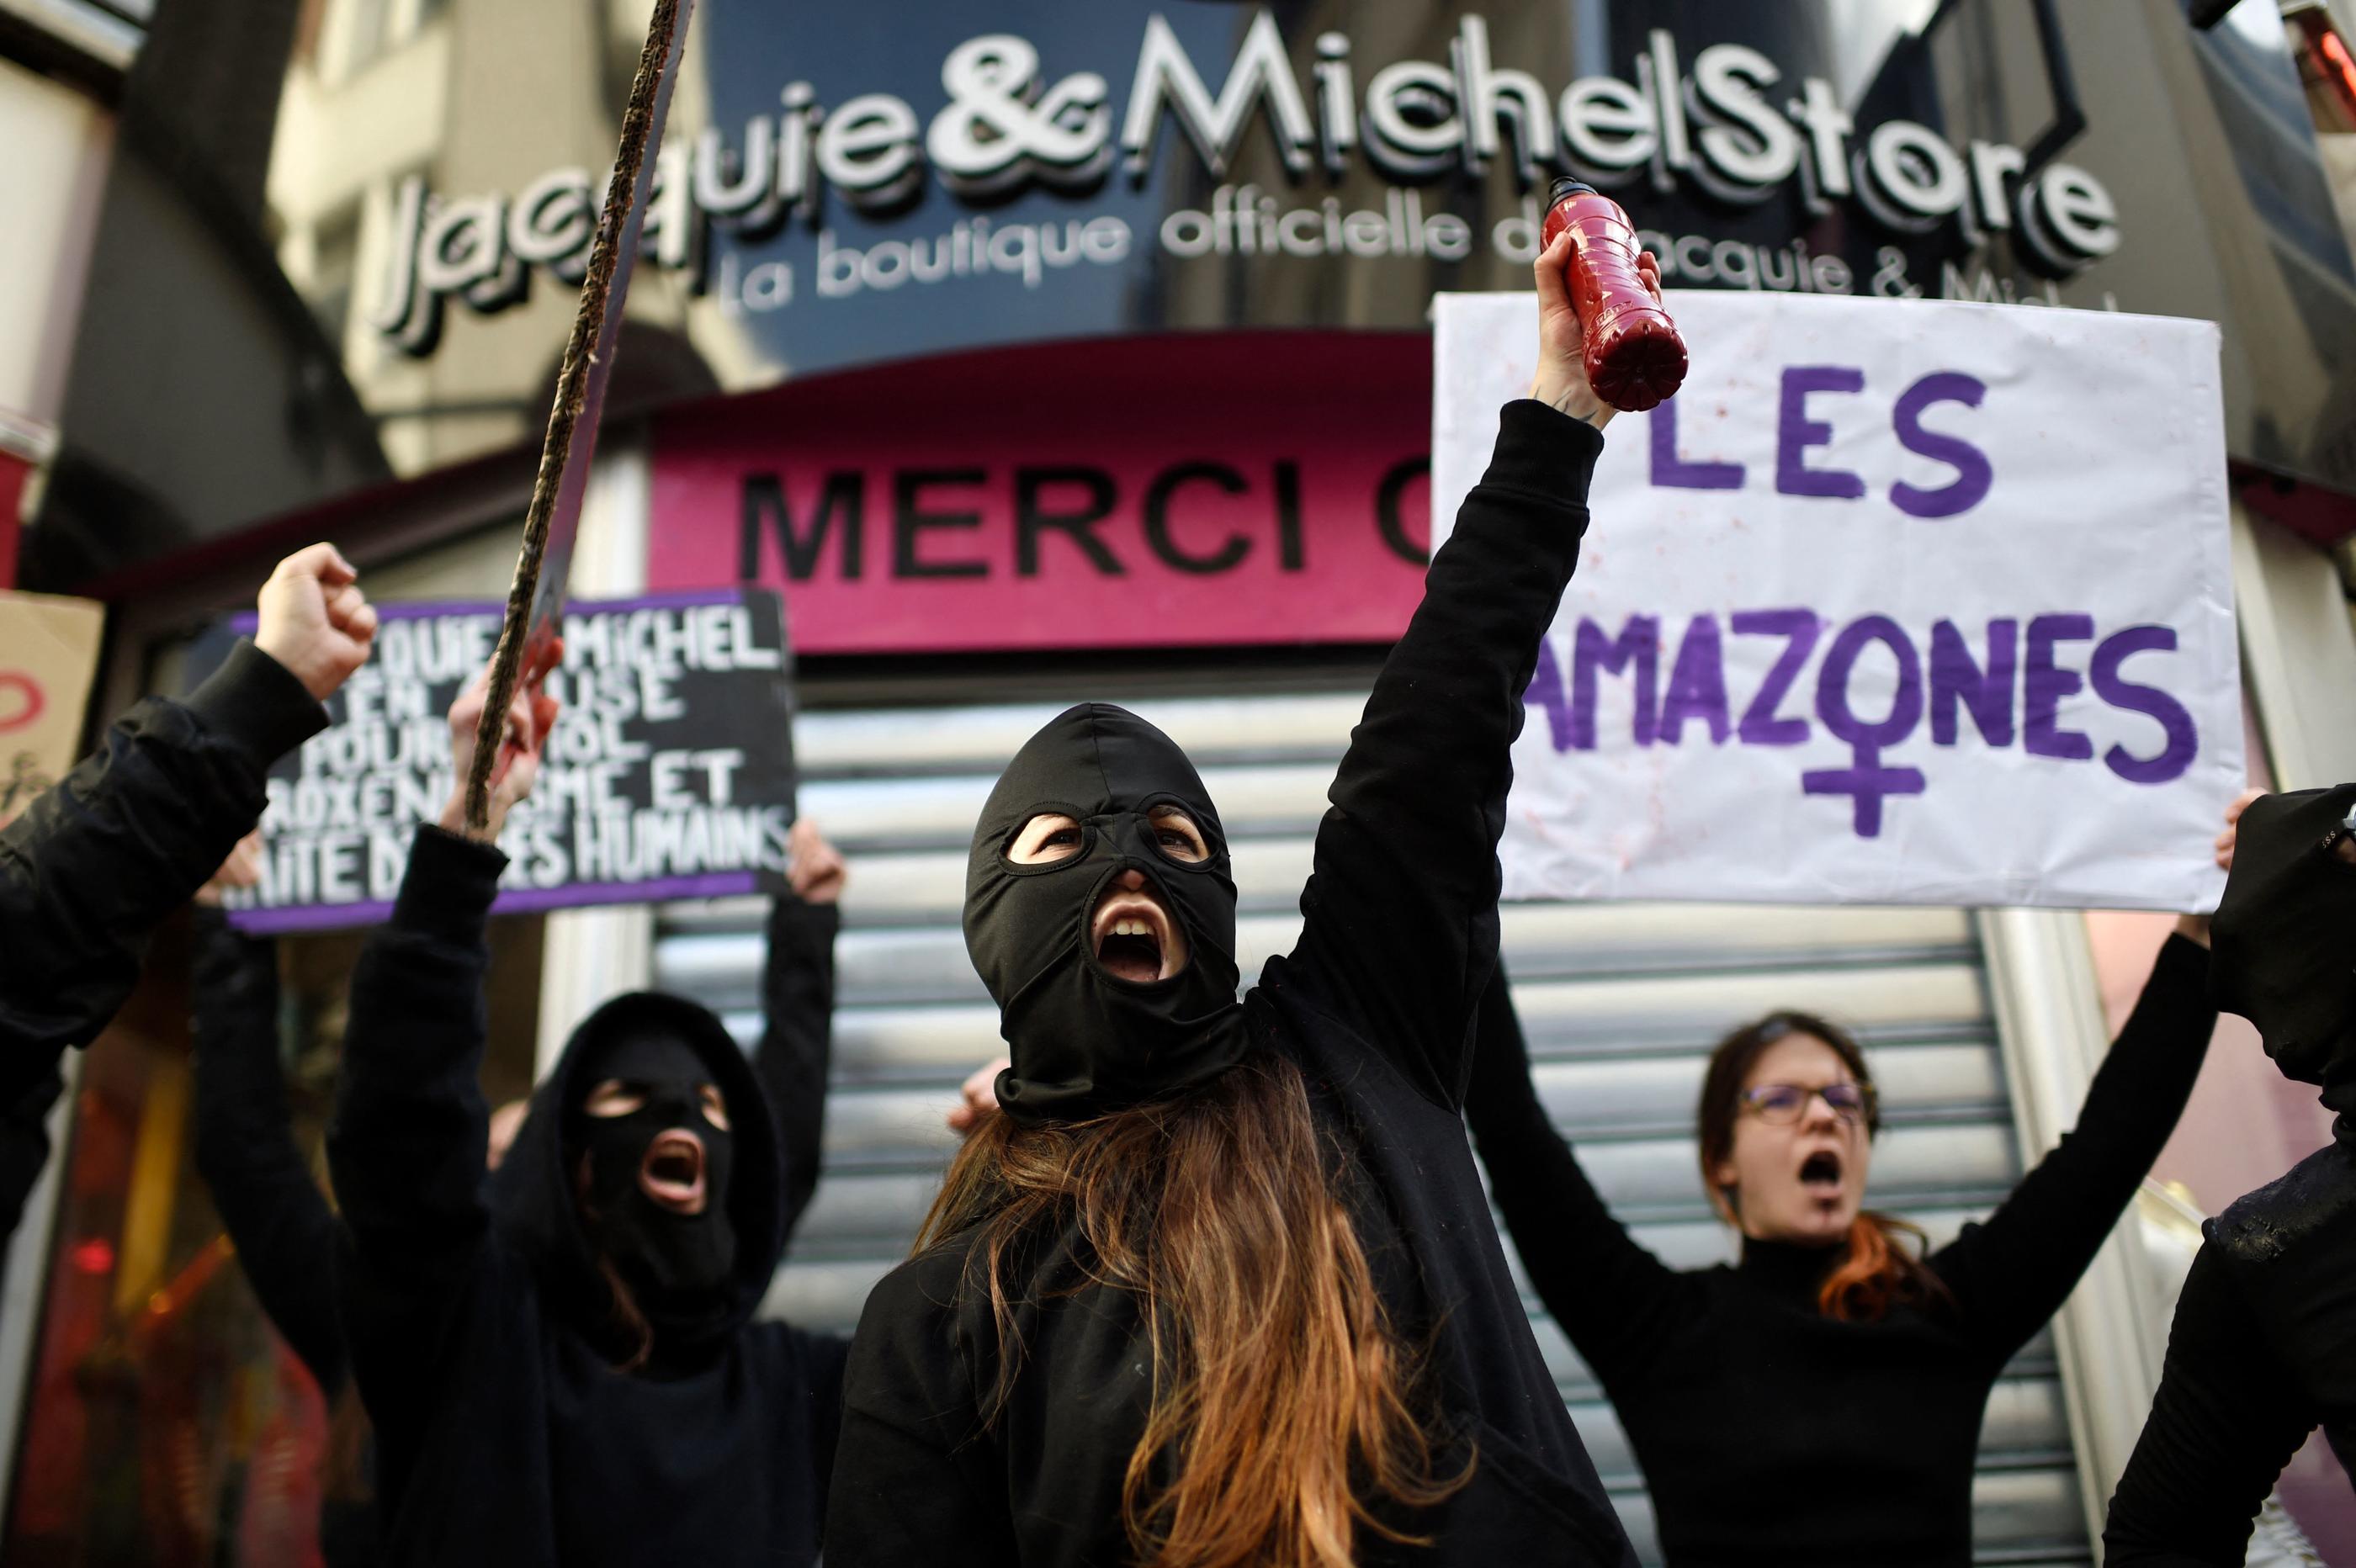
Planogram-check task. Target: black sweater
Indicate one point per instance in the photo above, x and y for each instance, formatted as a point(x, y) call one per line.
point(2263, 1351)
point(504, 1433)
point(1376, 1004)
point(262, 1188)
point(1769, 1433)
point(269, 1202)
point(95, 864)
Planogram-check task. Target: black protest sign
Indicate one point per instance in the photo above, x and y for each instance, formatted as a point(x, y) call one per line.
point(668, 773)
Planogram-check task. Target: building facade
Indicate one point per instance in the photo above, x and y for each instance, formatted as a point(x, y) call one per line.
point(1045, 351)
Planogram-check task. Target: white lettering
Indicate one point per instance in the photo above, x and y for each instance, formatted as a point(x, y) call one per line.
point(1165, 76)
point(1759, 149)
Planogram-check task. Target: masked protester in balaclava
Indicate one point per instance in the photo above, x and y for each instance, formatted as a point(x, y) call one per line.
point(2264, 1347)
point(560, 1360)
point(1220, 1286)
point(621, 1186)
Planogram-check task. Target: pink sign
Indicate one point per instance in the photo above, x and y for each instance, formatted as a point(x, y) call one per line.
point(1181, 490)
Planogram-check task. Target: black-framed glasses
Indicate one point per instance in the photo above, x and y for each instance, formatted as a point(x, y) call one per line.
point(1781, 1104)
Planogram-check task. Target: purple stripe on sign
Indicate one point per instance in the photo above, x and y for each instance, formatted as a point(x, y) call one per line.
point(308, 917)
point(518, 901)
point(676, 599)
point(709, 885)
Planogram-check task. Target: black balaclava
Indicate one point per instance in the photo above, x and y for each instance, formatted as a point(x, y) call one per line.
point(2283, 943)
point(680, 1267)
point(1084, 1040)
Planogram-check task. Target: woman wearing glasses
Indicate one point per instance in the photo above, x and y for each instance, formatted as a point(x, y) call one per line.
point(1819, 1401)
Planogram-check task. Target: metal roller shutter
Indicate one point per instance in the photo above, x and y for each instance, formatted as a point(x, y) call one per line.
point(1620, 1002)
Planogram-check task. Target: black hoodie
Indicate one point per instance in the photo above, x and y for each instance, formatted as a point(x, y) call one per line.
point(476, 1321)
point(2263, 1350)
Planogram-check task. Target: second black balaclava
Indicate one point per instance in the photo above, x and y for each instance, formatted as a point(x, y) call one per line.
point(679, 1266)
point(1085, 1042)
point(2283, 944)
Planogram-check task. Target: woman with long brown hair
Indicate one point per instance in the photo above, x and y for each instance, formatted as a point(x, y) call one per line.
point(1819, 1401)
point(1216, 1285)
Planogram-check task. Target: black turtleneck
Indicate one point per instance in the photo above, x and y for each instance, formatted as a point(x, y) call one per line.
point(1769, 1433)
point(2262, 1353)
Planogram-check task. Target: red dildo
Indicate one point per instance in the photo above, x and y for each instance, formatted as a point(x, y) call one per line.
point(1634, 357)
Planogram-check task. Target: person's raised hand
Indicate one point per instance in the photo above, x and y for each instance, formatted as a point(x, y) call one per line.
point(314, 618)
point(529, 718)
point(2195, 926)
point(978, 1097)
point(505, 1121)
point(241, 870)
point(1561, 378)
point(815, 869)
point(2226, 840)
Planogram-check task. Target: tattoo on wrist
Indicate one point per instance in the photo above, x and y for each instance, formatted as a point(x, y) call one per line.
point(1561, 401)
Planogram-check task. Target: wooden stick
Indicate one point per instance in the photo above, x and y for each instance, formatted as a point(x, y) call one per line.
point(572, 385)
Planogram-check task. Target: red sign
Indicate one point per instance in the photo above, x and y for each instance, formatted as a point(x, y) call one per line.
point(14, 471)
point(1182, 490)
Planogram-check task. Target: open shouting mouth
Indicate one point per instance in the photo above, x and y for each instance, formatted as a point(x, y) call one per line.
point(1134, 937)
point(1821, 1176)
point(672, 1172)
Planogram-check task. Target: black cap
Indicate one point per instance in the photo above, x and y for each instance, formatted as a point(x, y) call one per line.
point(1568, 185)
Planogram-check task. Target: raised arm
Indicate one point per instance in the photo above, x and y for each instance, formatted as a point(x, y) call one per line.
point(2013, 1272)
point(797, 1010)
point(1400, 918)
point(2226, 1420)
point(245, 1148)
point(1616, 1300)
point(406, 1150)
point(410, 1132)
point(96, 863)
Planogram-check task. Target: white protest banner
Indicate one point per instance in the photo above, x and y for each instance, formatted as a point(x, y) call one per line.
point(1895, 602)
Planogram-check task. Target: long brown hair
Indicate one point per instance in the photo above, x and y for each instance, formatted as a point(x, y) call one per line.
point(1277, 1380)
point(1879, 1271)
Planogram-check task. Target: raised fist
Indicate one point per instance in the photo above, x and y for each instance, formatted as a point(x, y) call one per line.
point(815, 868)
point(2195, 926)
point(315, 621)
point(2226, 840)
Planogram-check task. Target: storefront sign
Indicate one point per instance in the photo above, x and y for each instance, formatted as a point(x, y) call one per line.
point(669, 773)
point(1247, 489)
point(962, 176)
point(49, 657)
point(1724, 118)
point(1891, 603)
